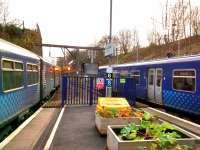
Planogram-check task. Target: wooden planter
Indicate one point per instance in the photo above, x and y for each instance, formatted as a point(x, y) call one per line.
point(115, 143)
point(102, 123)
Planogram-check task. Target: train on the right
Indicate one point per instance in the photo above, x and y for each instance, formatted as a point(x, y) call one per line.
point(171, 82)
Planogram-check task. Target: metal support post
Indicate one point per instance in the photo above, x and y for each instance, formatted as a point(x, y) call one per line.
point(64, 90)
point(108, 88)
point(91, 90)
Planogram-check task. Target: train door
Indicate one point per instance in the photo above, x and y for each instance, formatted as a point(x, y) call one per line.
point(158, 85)
point(151, 81)
point(155, 85)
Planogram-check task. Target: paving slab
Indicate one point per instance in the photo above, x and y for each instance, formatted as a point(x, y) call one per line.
point(33, 133)
point(77, 131)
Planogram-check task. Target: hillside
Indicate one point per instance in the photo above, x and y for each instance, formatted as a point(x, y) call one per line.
point(189, 46)
point(26, 38)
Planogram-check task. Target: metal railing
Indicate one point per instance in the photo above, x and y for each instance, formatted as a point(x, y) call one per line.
point(79, 90)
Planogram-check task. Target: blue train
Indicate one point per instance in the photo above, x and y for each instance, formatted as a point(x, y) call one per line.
point(25, 79)
point(172, 82)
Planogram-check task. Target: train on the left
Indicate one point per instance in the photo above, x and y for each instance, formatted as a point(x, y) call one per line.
point(25, 80)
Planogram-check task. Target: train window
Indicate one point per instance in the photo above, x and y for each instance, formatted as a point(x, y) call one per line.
point(18, 66)
point(29, 67)
point(123, 74)
point(136, 76)
point(184, 80)
point(32, 73)
point(35, 68)
point(159, 78)
point(8, 64)
point(151, 77)
point(12, 73)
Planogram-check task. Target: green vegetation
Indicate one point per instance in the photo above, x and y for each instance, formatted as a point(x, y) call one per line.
point(189, 46)
point(26, 38)
point(164, 134)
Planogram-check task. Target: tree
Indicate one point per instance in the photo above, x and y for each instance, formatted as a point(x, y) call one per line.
point(195, 20)
point(100, 56)
point(136, 41)
point(3, 12)
point(125, 40)
point(155, 38)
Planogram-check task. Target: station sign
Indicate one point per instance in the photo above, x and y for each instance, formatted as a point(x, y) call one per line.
point(109, 50)
point(108, 82)
point(109, 70)
point(109, 75)
point(122, 81)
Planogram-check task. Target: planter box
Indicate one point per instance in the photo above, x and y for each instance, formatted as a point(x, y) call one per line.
point(102, 123)
point(115, 143)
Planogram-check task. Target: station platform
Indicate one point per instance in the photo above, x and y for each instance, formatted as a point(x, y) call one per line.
point(71, 128)
point(76, 129)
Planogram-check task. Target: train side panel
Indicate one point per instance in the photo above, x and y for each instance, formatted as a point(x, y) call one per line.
point(141, 87)
point(181, 100)
point(47, 78)
point(14, 101)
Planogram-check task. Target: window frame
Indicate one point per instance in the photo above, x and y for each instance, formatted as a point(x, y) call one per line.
point(136, 75)
point(195, 77)
point(11, 70)
point(123, 73)
point(32, 64)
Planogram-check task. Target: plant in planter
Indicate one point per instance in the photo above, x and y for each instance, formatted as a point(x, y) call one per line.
point(117, 113)
point(115, 116)
point(164, 134)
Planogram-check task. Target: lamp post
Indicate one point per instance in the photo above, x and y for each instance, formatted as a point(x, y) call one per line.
point(109, 70)
point(110, 37)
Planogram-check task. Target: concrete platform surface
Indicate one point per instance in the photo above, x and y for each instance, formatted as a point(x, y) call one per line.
point(77, 131)
point(32, 134)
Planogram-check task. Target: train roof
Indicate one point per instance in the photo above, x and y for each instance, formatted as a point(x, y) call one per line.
point(46, 61)
point(15, 49)
point(159, 61)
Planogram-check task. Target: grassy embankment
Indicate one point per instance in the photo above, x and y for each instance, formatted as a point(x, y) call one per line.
point(189, 46)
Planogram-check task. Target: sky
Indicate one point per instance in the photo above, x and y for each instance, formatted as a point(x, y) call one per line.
point(83, 22)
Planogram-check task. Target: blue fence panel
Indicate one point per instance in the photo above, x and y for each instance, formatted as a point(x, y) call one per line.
point(82, 90)
point(64, 90)
point(79, 90)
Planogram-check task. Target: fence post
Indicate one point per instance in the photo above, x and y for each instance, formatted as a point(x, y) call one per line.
point(91, 90)
point(64, 90)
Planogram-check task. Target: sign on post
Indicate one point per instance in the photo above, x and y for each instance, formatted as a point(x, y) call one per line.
point(109, 50)
point(109, 76)
point(108, 82)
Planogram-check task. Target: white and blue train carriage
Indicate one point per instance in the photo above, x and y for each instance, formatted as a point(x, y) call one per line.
point(25, 79)
point(19, 80)
point(172, 82)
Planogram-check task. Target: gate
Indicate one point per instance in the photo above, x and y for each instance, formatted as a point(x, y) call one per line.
point(79, 90)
